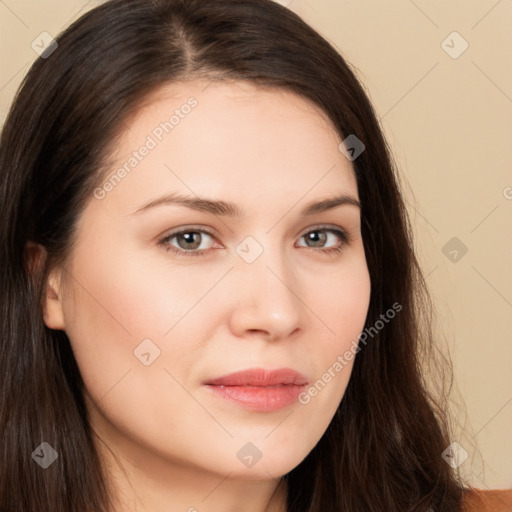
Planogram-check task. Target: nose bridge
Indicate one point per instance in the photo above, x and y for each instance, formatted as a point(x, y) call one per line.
point(266, 297)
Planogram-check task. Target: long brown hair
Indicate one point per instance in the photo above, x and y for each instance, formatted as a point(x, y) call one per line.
point(382, 450)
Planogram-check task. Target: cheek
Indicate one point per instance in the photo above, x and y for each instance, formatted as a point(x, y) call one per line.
point(344, 306)
point(118, 302)
point(342, 298)
point(115, 310)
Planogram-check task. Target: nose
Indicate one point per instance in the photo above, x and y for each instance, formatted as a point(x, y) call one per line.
point(266, 298)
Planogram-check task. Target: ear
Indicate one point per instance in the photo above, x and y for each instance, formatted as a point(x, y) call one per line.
point(35, 256)
point(53, 311)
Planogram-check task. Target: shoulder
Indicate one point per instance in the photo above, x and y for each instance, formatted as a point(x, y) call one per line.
point(478, 500)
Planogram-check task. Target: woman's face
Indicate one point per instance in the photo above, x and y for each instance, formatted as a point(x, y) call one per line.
point(152, 316)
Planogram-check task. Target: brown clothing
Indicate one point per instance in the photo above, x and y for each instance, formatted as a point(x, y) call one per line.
point(478, 500)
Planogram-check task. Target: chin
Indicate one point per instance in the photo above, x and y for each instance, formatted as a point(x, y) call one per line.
point(271, 466)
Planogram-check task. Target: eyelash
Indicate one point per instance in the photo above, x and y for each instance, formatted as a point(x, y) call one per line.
point(343, 235)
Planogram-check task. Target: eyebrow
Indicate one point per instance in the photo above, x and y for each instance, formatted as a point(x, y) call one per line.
point(224, 208)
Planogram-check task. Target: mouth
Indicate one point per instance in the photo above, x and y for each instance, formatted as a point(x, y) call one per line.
point(259, 389)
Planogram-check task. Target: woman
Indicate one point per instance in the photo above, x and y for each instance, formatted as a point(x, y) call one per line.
point(278, 370)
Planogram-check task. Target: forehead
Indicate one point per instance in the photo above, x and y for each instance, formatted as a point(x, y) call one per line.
point(231, 141)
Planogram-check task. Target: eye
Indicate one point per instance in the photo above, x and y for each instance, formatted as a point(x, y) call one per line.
point(320, 236)
point(189, 242)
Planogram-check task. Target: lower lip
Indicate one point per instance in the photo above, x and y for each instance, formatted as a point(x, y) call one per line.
point(259, 398)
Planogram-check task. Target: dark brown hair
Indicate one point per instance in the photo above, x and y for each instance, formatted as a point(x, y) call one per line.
point(382, 450)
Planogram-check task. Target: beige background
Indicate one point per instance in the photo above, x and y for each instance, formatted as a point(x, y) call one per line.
point(449, 123)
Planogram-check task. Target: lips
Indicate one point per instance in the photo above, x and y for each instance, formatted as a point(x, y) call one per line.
point(259, 389)
point(260, 377)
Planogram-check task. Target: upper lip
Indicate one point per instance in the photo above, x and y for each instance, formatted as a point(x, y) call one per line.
point(260, 377)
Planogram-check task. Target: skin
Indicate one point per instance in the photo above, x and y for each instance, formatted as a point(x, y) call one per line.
point(168, 443)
